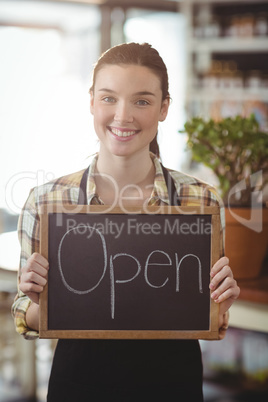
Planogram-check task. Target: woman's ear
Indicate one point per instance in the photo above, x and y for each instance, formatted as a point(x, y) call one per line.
point(91, 102)
point(164, 109)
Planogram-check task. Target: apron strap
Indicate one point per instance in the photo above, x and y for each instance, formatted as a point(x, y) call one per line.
point(173, 195)
point(172, 192)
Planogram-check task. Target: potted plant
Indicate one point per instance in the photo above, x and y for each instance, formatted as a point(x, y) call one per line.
point(237, 151)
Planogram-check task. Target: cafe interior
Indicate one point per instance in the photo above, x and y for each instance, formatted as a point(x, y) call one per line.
point(216, 52)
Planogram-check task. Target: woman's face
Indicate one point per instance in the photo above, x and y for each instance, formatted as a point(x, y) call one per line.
point(127, 106)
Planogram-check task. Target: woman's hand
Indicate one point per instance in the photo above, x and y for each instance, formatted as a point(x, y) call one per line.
point(34, 277)
point(224, 290)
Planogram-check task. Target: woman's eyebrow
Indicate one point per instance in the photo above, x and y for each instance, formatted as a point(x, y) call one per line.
point(144, 93)
point(140, 93)
point(106, 90)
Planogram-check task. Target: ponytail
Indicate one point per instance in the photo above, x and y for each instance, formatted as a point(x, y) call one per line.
point(154, 147)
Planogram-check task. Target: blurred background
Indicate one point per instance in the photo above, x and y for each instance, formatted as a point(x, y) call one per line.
point(216, 53)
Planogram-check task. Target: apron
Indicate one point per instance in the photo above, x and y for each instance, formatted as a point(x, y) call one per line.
point(101, 370)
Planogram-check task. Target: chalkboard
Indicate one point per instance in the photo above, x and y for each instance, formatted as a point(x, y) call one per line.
point(140, 275)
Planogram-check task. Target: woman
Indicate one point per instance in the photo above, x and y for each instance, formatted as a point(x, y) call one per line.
point(129, 96)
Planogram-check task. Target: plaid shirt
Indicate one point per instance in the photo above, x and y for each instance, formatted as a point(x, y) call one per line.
point(192, 192)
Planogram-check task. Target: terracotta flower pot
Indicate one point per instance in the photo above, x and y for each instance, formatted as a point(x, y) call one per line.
point(246, 240)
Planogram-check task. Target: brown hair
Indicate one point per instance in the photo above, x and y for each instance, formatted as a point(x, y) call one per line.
point(140, 54)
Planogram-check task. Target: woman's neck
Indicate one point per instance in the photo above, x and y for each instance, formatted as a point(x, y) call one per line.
point(125, 180)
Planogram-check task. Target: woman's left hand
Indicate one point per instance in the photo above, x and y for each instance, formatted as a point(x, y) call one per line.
point(224, 290)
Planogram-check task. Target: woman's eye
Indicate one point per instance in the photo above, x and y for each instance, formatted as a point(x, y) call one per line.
point(142, 102)
point(109, 99)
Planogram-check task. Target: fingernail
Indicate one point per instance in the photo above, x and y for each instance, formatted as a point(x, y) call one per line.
point(212, 286)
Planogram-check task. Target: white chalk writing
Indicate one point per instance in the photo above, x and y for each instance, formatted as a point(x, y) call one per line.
point(151, 262)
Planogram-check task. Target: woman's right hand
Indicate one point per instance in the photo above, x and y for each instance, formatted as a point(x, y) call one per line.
point(34, 277)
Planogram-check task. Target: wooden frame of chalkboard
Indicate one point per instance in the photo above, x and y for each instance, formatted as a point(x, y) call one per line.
point(143, 274)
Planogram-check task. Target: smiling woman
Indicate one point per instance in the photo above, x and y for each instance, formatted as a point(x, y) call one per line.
point(129, 96)
point(155, 90)
point(127, 105)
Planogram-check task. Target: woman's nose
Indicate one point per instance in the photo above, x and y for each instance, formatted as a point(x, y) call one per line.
point(123, 113)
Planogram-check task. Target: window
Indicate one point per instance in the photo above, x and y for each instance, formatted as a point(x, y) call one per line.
point(47, 54)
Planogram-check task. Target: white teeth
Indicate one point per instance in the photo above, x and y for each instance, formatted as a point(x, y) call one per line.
point(120, 133)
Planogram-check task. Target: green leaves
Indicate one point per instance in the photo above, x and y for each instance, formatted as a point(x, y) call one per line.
point(234, 148)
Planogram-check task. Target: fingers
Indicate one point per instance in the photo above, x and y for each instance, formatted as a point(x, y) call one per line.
point(37, 264)
point(219, 274)
point(223, 285)
point(34, 276)
point(226, 289)
point(217, 267)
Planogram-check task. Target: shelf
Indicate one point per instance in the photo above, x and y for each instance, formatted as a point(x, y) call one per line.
point(224, 2)
point(235, 94)
point(230, 44)
point(250, 311)
point(242, 49)
point(249, 316)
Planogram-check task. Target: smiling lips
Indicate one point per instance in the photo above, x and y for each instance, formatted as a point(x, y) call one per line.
point(123, 132)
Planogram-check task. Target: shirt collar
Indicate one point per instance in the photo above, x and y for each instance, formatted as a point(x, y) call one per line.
point(159, 194)
point(160, 191)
